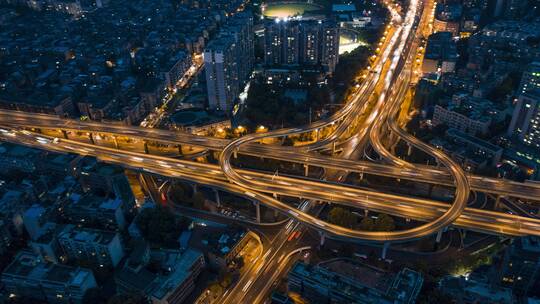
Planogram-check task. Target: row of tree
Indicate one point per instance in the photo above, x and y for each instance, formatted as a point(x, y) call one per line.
point(344, 217)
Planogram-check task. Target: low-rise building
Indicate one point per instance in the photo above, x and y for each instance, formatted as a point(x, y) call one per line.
point(111, 179)
point(520, 269)
point(6, 237)
point(447, 17)
point(226, 248)
point(28, 276)
point(471, 152)
point(334, 284)
point(467, 114)
point(441, 54)
point(469, 291)
point(172, 281)
point(525, 124)
point(101, 247)
point(96, 210)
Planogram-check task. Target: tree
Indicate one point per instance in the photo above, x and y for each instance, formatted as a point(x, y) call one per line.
point(215, 288)
point(341, 216)
point(288, 141)
point(384, 223)
point(434, 295)
point(367, 224)
point(133, 298)
point(226, 280)
point(94, 296)
point(198, 200)
point(160, 226)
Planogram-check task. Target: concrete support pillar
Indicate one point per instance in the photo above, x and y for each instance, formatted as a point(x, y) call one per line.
point(235, 153)
point(430, 189)
point(146, 147)
point(64, 132)
point(317, 132)
point(257, 211)
point(385, 250)
point(439, 236)
point(179, 149)
point(323, 238)
point(498, 202)
point(91, 137)
point(306, 169)
point(275, 195)
point(194, 187)
point(366, 213)
point(115, 139)
point(463, 234)
point(333, 147)
point(409, 149)
point(218, 200)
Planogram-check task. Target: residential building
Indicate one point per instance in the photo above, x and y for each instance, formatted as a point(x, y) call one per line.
point(520, 269)
point(470, 152)
point(171, 283)
point(510, 9)
point(222, 80)
point(95, 210)
point(61, 106)
point(333, 284)
point(491, 44)
point(177, 67)
point(13, 204)
point(467, 114)
point(441, 54)
point(28, 276)
point(228, 62)
point(302, 42)
point(47, 246)
point(447, 17)
point(6, 237)
point(525, 122)
point(35, 221)
point(469, 291)
point(226, 247)
point(530, 79)
point(110, 179)
point(95, 68)
point(98, 246)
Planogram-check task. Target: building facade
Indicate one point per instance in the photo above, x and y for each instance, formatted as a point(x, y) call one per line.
point(530, 79)
point(98, 246)
point(525, 122)
point(318, 284)
point(228, 62)
point(310, 42)
point(28, 276)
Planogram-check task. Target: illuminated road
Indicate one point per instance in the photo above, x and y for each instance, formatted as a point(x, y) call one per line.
point(376, 100)
point(419, 173)
point(406, 207)
point(394, 56)
point(390, 79)
point(208, 174)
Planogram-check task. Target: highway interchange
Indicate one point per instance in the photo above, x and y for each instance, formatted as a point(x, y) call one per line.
point(390, 78)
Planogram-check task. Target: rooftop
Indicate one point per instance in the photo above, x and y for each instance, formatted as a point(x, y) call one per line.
point(86, 235)
point(29, 266)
